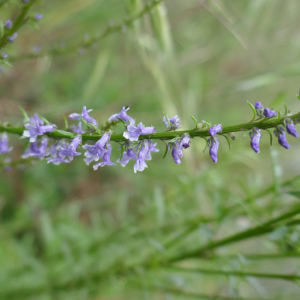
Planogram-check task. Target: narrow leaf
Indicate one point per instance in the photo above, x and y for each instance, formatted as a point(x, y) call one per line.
point(44, 119)
point(24, 113)
point(122, 121)
point(279, 116)
point(196, 123)
point(166, 151)
point(66, 122)
point(70, 134)
point(271, 137)
point(285, 110)
point(95, 128)
point(207, 144)
point(228, 141)
point(254, 111)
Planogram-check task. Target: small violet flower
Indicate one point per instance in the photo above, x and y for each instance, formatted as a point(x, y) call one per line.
point(258, 105)
point(268, 113)
point(78, 128)
point(213, 150)
point(290, 128)
point(106, 159)
point(280, 133)
point(4, 56)
point(96, 151)
point(35, 128)
point(37, 151)
point(176, 153)
point(70, 151)
point(122, 116)
point(185, 141)
point(8, 24)
point(38, 17)
point(255, 136)
point(128, 155)
point(151, 149)
point(12, 38)
point(140, 164)
point(4, 144)
point(133, 132)
point(174, 122)
point(215, 129)
point(85, 115)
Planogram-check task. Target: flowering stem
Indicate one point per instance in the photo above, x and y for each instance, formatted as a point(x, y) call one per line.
point(17, 24)
point(166, 135)
point(88, 44)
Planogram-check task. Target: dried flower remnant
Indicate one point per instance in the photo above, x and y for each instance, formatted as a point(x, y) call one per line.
point(255, 136)
point(122, 116)
point(213, 150)
point(268, 113)
point(290, 128)
point(4, 148)
point(133, 132)
point(215, 129)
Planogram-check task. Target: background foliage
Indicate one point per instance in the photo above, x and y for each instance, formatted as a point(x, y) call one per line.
point(68, 232)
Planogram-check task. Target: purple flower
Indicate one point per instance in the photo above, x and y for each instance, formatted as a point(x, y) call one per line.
point(36, 128)
point(213, 150)
point(290, 128)
point(280, 133)
point(185, 141)
point(4, 144)
point(140, 164)
point(4, 56)
point(215, 129)
point(133, 132)
point(58, 159)
point(176, 152)
point(127, 156)
point(258, 105)
point(37, 151)
point(38, 17)
point(122, 116)
point(268, 113)
point(151, 149)
point(174, 122)
point(12, 38)
point(85, 115)
point(25, 1)
point(78, 128)
point(106, 159)
point(8, 24)
point(96, 151)
point(255, 136)
point(70, 151)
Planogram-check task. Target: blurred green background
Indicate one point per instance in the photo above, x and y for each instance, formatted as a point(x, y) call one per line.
point(68, 232)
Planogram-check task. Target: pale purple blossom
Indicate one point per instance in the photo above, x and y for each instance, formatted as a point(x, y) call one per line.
point(8, 24)
point(85, 115)
point(106, 159)
point(133, 132)
point(70, 150)
point(58, 159)
point(255, 136)
point(36, 149)
point(12, 38)
point(290, 128)
point(36, 128)
point(122, 116)
point(280, 133)
point(3, 55)
point(38, 17)
point(268, 113)
point(96, 151)
point(140, 164)
point(213, 150)
point(128, 155)
point(185, 141)
point(151, 149)
point(258, 105)
point(78, 128)
point(174, 122)
point(4, 148)
point(215, 129)
point(176, 152)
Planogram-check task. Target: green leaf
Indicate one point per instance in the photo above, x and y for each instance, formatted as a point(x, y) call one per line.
point(279, 116)
point(84, 121)
point(271, 137)
point(228, 141)
point(95, 128)
point(285, 110)
point(207, 144)
point(295, 193)
point(122, 151)
point(122, 121)
point(44, 119)
point(166, 151)
point(24, 113)
point(66, 122)
point(194, 119)
point(254, 111)
point(67, 133)
point(5, 62)
point(298, 96)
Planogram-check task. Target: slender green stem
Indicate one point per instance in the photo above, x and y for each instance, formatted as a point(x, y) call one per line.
point(234, 273)
point(88, 44)
point(165, 135)
point(17, 24)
